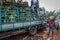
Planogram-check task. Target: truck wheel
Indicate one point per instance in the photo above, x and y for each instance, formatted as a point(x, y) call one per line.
point(33, 30)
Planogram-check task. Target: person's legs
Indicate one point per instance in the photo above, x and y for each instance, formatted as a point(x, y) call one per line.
point(52, 31)
point(49, 31)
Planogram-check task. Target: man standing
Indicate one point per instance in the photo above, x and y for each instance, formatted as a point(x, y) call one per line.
point(51, 27)
point(59, 22)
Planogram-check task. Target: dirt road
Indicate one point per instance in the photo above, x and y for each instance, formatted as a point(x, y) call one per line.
point(38, 36)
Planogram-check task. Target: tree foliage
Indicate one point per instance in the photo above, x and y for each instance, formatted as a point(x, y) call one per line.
point(52, 13)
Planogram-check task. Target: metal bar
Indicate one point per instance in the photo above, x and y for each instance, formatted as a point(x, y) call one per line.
point(0, 18)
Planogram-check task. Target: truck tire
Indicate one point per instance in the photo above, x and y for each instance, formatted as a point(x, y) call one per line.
point(32, 30)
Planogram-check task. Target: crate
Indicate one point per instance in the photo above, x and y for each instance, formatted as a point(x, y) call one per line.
point(7, 15)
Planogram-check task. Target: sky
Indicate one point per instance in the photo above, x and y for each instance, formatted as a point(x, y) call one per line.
point(49, 5)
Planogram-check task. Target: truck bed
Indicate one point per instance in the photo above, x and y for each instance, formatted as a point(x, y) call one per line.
point(6, 27)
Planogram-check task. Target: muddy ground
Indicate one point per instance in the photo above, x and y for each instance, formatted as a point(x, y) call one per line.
point(38, 36)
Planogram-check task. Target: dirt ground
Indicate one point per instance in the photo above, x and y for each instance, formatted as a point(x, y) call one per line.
point(56, 36)
point(38, 36)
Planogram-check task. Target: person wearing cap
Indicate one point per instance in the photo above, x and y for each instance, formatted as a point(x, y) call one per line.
point(51, 26)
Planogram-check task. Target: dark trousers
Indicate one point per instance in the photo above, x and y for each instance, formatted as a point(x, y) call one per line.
point(51, 29)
